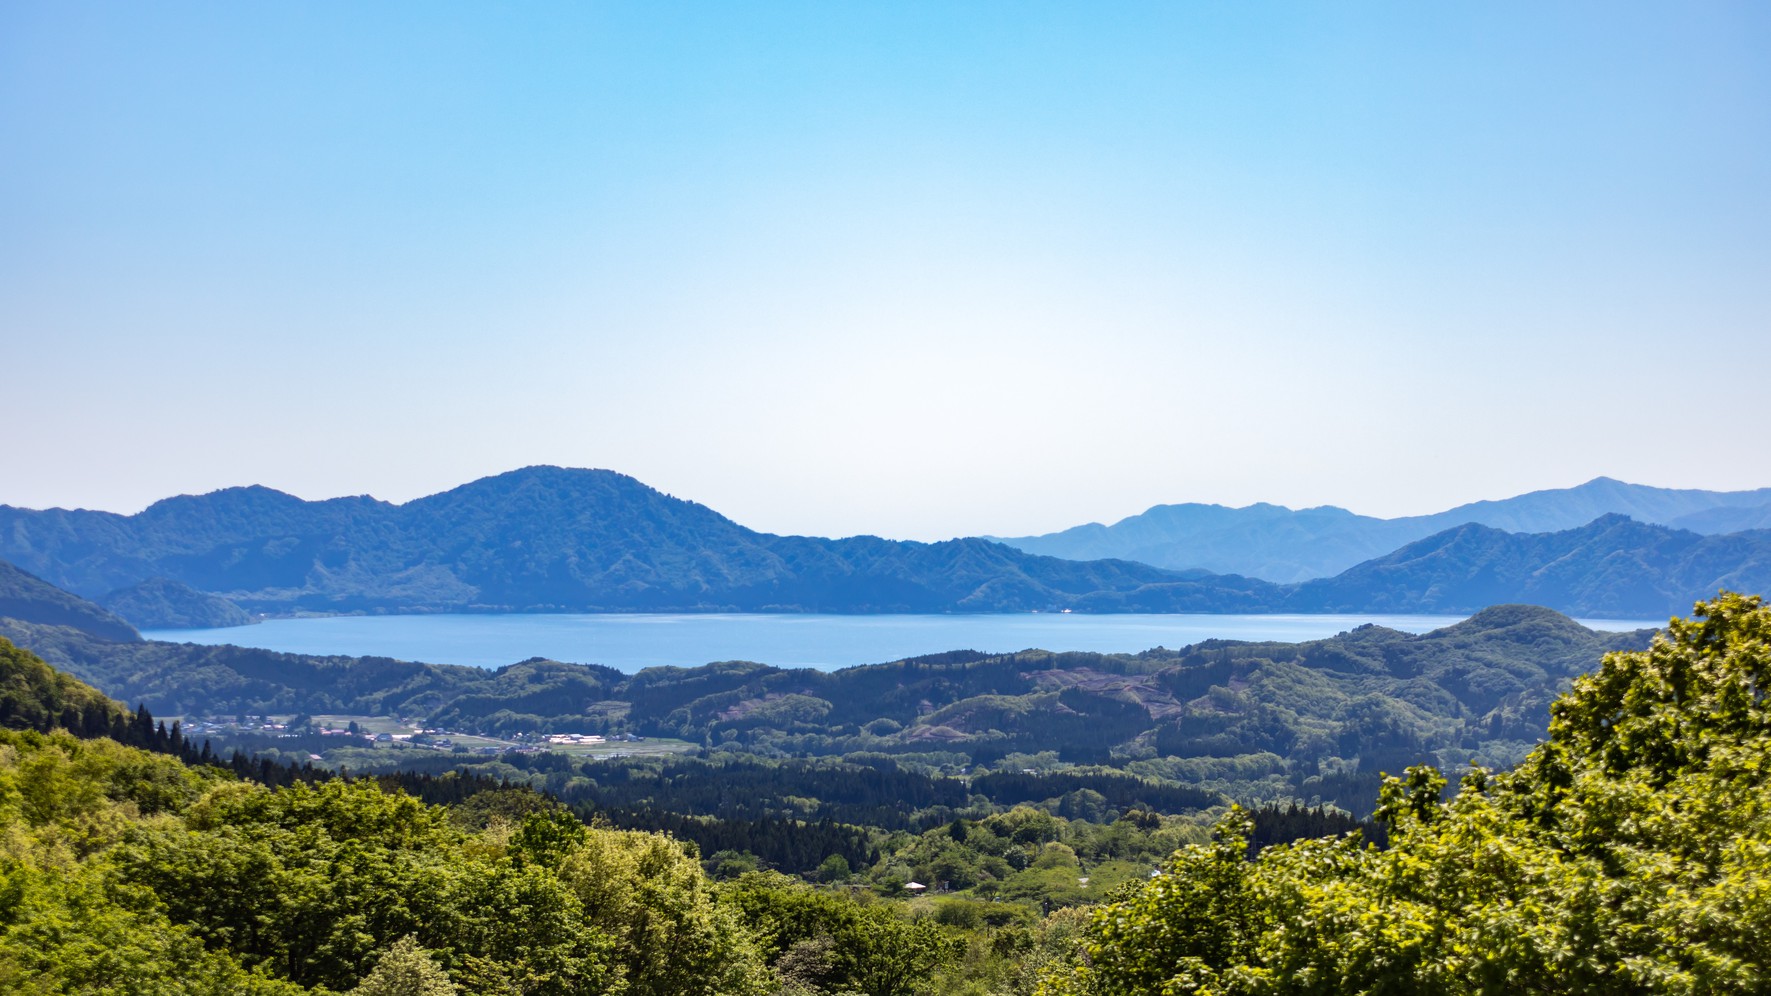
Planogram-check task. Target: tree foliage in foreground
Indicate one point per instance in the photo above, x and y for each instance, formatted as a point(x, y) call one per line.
point(125, 871)
point(1630, 853)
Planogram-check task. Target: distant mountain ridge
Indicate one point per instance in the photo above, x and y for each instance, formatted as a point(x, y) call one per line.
point(1612, 566)
point(546, 539)
point(1736, 519)
point(1285, 545)
point(541, 539)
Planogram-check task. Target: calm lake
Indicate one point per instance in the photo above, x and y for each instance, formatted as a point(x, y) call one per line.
point(634, 641)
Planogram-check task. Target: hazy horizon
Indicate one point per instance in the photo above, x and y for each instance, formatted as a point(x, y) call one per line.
point(919, 270)
point(1103, 521)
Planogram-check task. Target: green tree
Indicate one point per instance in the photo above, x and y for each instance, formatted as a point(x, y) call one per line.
point(834, 869)
point(669, 936)
point(406, 970)
point(831, 943)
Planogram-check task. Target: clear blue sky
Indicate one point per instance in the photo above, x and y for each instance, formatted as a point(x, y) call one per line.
point(910, 269)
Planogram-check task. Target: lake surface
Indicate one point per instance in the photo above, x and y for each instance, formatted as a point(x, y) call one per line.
point(630, 642)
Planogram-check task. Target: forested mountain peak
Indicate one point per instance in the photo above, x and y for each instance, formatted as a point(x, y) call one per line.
point(254, 501)
point(253, 498)
point(194, 524)
point(1512, 617)
point(544, 486)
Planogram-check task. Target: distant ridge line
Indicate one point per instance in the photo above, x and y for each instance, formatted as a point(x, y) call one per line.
point(1280, 544)
point(550, 539)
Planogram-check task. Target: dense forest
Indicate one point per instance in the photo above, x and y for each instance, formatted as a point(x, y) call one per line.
point(135, 869)
point(1629, 853)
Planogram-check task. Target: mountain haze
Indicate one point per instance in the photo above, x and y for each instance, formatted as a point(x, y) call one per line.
point(1280, 544)
point(1263, 541)
point(1612, 566)
point(1729, 519)
point(546, 539)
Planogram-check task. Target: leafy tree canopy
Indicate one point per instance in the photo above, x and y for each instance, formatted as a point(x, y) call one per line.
point(1630, 853)
point(406, 970)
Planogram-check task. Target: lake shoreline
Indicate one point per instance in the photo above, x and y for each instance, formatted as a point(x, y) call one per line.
point(823, 641)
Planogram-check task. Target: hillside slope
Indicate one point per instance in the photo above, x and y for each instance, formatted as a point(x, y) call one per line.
point(28, 598)
point(161, 603)
point(1612, 566)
